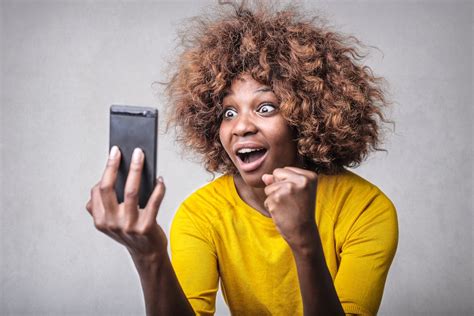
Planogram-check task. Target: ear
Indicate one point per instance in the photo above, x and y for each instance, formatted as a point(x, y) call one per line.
point(268, 179)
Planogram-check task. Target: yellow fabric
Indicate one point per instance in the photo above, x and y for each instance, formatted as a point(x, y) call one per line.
point(215, 235)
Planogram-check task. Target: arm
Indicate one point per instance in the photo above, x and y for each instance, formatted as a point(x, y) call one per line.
point(161, 290)
point(139, 232)
point(316, 285)
point(366, 253)
point(291, 202)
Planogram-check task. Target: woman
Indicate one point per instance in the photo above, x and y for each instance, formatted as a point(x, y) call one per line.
point(280, 106)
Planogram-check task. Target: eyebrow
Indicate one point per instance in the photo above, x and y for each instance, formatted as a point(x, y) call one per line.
point(264, 89)
point(259, 90)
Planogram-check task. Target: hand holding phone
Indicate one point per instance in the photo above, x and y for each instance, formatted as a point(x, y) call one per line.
point(125, 222)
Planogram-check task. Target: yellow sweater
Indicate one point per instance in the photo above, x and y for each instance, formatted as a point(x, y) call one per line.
point(215, 234)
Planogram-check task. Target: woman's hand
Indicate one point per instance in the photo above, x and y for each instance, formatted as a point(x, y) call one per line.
point(134, 228)
point(291, 198)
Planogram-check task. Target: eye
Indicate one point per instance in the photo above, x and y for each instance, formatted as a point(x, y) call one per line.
point(266, 108)
point(229, 113)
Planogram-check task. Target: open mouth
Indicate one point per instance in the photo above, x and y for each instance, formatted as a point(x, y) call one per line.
point(251, 159)
point(251, 155)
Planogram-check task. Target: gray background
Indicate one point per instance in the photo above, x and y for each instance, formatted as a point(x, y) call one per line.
point(64, 62)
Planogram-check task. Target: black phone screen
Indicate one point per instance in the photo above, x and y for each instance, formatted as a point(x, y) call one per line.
point(132, 127)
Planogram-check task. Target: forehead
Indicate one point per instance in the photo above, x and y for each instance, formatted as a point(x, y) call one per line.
point(246, 84)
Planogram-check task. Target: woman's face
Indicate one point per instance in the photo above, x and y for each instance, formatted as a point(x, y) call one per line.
point(254, 134)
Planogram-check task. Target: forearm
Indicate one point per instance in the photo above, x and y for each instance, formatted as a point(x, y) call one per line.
point(317, 288)
point(161, 290)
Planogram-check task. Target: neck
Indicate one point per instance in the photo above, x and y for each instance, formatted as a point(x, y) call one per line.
point(255, 197)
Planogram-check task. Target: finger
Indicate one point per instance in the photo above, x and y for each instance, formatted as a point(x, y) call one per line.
point(89, 207)
point(103, 221)
point(282, 185)
point(107, 183)
point(266, 204)
point(106, 225)
point(282, 174)
point(304, 172)
point(89, 204)
point(154, 202)
point(268, 179)
point(269, 189)
point(97, 209)
point(274, 199)
point(305, 176)
point(132, 185)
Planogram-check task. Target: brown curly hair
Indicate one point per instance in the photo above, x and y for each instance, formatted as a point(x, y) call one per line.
point(333, 103)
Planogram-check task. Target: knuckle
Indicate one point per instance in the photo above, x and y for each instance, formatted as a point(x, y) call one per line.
point(277, 171)
point(105, 188)
point(270, 208)
point(100, 225)
point(141, 231)
point(277, 197)
point(129, 229)
point(267, 205)
point(266, 190)
point(131, 193)
point(135, 167)
point(144, 229)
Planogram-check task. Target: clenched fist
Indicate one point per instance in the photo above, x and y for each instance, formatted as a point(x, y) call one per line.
point(291, 198)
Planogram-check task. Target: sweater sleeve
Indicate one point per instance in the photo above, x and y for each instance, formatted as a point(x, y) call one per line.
point(366, 256)
point(194, 260)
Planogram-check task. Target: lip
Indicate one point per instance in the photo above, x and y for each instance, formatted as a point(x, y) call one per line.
point(254, 165)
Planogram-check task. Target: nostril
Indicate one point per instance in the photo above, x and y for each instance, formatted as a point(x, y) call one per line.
point(245, 126)
point(244, 133)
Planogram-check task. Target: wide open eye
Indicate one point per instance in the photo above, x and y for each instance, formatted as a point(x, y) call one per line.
point(229, 113)
point(266, 108)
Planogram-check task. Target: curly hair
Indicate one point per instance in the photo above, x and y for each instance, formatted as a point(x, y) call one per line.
point(332, 102)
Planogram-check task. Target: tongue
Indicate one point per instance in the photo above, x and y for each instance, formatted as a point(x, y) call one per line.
point(251, 157)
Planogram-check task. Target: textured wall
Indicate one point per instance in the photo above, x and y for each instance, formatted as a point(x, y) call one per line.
point(63, 63)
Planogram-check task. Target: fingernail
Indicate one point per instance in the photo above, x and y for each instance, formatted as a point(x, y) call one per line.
point(160, 179)
point(113, 152)
point(137, 155)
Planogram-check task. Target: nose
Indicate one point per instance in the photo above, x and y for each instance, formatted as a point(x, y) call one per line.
point(244, 125)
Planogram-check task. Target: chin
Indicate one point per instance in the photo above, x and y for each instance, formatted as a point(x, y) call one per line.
point(253, 180)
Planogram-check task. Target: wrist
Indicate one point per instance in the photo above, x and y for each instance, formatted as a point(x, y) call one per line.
point(308, 244)
point(148, 263)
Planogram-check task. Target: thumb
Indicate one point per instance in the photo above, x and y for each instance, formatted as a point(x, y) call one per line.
point(268, 179)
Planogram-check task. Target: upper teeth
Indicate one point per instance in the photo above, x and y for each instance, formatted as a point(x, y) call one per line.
point(248, 150)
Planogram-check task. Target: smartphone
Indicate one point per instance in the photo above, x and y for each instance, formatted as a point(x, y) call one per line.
point(132, 127)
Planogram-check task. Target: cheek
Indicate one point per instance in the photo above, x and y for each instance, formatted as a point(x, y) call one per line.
point(285, 141)
point(224, 138)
